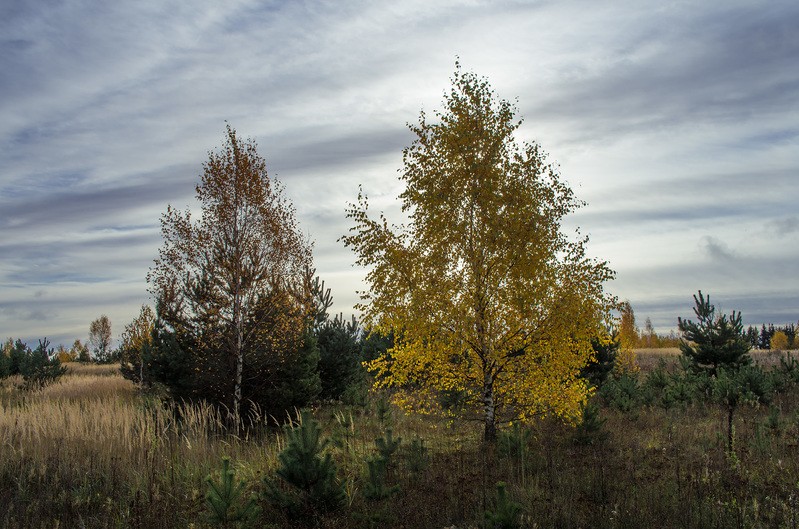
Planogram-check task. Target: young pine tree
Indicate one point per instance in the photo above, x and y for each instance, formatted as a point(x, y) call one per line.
point(224, 498)
point(40, 366)
point(606, 349)
point(713, 341)
point(307, 482)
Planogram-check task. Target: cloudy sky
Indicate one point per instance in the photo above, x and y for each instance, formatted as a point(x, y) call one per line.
point(678, 123)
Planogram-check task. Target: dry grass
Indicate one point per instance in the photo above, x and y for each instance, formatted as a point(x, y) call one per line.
point(89, 444)
point(92, 452)
point(94, 370)
point(649, 358)
point(87, 387)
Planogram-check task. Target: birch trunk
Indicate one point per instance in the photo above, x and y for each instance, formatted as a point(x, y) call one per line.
point(489, 408)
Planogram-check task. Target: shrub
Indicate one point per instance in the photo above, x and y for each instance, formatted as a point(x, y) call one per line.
point(786, 374)
point(669, 389)
point(590, 429)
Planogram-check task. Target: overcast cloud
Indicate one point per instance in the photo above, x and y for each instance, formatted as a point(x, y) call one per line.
point(677, 122)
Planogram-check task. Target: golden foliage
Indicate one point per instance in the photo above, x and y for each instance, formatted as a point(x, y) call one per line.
point(138, 333)
point(629, 336)
point(64, 355)
point(626, 362)
point(100, 337)
point(779, 341)
point(137, 337)
point(489, 300)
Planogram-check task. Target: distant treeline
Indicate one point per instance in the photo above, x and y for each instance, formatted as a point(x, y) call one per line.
point(772, 337)
point(778, 338)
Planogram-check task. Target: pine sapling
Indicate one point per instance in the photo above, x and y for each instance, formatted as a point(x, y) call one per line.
point(417, 455)
point(40, 366)
point(345, 431)
point(376, 488)
point(383, 410)
point(590, 431)
point(377, 467)
point(223, 498)
point(773, 421)
point(513, 443)
point(308, 478)
point(387, 445)
point(507, 513)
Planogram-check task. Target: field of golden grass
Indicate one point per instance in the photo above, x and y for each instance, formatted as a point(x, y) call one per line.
point(649, 358)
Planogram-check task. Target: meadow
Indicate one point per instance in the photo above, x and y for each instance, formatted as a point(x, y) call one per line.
point(92, 451)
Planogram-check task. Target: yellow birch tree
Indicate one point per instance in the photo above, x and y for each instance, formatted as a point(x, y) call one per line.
point(487, 297)
point(629, 338)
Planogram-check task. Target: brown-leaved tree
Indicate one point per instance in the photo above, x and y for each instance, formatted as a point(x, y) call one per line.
point(135, 343)
point(233, 285)
point(492, 306)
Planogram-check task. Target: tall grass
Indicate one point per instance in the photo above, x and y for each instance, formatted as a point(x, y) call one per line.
point(91, 451)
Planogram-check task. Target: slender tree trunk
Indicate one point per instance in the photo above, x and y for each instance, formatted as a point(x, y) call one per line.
point(239, 371)
point(238, 317)
point(238, 325)
point(489, 405)
point(489, 409)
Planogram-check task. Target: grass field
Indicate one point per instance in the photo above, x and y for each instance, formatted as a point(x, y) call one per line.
point(91, 451)
point(649, 358)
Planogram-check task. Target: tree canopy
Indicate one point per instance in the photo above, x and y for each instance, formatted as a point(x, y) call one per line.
point(486, 296)
point(233, 286)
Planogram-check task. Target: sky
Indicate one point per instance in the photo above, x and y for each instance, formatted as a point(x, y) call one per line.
point(677, 122)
